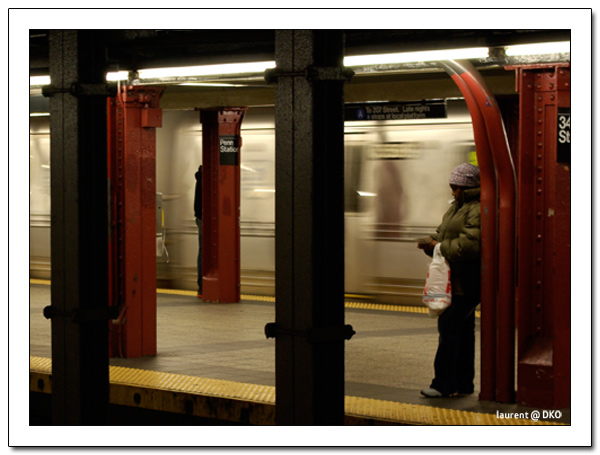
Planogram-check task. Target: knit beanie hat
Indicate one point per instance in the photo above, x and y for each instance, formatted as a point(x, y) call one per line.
point(465, 175)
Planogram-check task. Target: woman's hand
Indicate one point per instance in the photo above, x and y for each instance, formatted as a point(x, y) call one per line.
point(426, 244)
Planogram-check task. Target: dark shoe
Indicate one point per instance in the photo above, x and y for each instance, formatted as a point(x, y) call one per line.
point(464, 394)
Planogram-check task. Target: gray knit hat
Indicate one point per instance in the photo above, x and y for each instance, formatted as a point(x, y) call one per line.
point(465, 175)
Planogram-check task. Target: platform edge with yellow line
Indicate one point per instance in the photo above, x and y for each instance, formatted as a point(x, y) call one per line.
point(361, 305)
point(251, 404)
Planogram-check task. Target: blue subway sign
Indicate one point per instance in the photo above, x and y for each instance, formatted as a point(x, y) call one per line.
point(412, 110)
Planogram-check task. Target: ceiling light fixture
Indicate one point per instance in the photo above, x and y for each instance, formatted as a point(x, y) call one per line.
point(559, 47)
point(211, 84)
point(207, 70)
point(117, 76)
point(39, 80)
point(349, 61)
point(421, 56)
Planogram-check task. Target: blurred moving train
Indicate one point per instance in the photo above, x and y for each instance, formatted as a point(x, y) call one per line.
point(396, 190)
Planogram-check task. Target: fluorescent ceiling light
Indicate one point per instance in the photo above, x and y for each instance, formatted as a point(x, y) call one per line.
point(39, 80)
point(422, 56)
point(186, 71)
point(561, 47)
point(366, 194)
point(206, 70)
point(212, 84)
point(350, 61)
point(117, 76)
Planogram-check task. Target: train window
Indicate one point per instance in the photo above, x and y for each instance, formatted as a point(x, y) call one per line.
point(353, 160)
point(465, 152)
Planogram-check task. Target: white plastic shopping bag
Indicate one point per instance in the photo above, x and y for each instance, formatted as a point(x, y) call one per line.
point(437, 294)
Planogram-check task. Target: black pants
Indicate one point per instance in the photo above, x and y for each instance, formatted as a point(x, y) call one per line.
point(199, 260)
point(455, 358)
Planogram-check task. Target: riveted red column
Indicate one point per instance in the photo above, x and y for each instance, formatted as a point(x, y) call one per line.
point(505, 306)
point(489, 235)
point(221, 145)
point(543, 292)
point(133, 116)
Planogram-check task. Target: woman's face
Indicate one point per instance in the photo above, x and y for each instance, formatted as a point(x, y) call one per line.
point(457, 192)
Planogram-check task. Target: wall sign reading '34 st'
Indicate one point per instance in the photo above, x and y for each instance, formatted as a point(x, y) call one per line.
point(563, 146)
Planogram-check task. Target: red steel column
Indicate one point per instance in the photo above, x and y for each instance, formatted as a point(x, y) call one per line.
point(489, 233)
point(221, 145)
point(543, 293)
point(505, 307)
point(133, 117)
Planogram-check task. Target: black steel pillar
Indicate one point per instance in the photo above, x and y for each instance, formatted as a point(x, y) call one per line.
point(309, 323)
point(79, 229)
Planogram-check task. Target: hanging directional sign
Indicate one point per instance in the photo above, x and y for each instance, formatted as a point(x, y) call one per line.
point(413, 110)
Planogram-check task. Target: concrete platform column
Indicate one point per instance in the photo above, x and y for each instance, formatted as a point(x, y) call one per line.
point(309, 272)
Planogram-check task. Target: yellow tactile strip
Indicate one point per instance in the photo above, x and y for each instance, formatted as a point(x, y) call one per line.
point(250, 403)
point(264, 298)
point(384, 307)
point(208, 398)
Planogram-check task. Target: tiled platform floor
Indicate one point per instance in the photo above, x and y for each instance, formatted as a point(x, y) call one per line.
point(389, 358)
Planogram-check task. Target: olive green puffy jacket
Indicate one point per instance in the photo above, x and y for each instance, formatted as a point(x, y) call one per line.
point(459, 235)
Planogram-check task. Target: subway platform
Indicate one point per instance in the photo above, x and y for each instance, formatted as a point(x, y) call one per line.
point(214, 362)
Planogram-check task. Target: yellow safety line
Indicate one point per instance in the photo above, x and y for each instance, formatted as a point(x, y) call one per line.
point(205, 397)
point(359, 296)
point(264, 298)
point(176, 292)
point(384, 307)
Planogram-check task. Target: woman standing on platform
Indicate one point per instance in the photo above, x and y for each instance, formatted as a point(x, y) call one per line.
point(459, 236)
point(198, 216)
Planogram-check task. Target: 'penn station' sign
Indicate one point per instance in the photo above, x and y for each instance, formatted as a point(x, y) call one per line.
point(229, 150)
point(413, 110)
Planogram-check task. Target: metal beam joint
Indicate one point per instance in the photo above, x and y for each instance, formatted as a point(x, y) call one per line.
point(83, 315)
point(81, 90)
point(312, 334)
point(312, 73)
